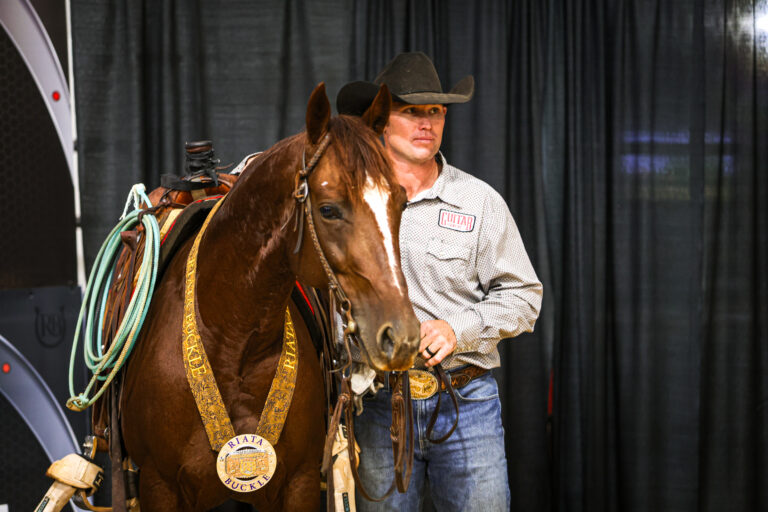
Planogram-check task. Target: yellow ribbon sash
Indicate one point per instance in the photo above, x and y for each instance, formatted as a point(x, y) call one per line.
point(200, 375)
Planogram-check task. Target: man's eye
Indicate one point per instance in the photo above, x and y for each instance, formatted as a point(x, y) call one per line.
point(330, 212)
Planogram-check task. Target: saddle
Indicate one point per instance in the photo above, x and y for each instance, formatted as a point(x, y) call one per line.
point(179, 214)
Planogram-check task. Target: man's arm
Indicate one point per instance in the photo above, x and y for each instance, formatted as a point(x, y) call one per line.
point(512, 291)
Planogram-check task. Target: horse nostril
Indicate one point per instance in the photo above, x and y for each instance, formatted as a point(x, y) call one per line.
point(387, 340)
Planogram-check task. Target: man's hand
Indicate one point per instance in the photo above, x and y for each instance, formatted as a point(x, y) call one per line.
point(437, 341)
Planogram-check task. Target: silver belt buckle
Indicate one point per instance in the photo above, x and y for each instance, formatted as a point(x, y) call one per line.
point(423, 384)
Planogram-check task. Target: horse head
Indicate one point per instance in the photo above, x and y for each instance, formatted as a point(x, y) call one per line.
point(356, 205)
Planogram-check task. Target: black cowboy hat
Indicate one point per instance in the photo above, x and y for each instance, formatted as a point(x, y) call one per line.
point(411, 78)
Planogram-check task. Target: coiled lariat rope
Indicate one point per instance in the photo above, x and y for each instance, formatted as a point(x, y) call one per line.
point(104, 366)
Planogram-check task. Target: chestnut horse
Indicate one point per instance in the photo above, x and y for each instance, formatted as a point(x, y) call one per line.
point(245, 272)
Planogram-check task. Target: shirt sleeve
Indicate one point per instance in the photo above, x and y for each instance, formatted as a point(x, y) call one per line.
point(512, 292)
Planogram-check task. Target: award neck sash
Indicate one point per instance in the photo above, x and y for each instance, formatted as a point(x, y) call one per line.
point(200, 374)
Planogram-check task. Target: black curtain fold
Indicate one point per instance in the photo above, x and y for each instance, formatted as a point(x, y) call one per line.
point(733, 383)
point(629, 138)
point(153, 75)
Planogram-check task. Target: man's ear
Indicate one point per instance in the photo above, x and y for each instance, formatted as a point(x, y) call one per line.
point(318, 114)
point(377, 115)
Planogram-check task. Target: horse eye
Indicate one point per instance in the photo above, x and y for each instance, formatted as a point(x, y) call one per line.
point(330, 212)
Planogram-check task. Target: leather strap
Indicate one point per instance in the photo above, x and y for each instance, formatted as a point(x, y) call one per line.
point(445, 384)
point(116, 455)
point(402, 448)
point(449, 382)
point(175, 183)
point(401, 401)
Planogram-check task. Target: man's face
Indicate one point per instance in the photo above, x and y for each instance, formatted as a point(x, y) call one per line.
point(414, 132)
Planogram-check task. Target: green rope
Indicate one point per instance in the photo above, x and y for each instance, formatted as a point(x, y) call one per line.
point(104, 366)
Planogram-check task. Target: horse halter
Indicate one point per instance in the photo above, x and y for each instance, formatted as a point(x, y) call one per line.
point(301, 194)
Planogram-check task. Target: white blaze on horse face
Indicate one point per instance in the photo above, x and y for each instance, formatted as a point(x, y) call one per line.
point(377, 198)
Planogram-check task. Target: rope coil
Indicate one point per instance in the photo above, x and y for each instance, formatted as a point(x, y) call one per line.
point(105, 365)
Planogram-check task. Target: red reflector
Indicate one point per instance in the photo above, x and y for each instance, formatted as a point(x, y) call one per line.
point(6, 368)
point(56, 96)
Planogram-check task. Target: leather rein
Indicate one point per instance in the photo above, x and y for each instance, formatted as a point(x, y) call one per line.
point(401, 429)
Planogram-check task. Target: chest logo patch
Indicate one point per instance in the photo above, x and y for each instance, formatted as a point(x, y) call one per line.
point(456, 221)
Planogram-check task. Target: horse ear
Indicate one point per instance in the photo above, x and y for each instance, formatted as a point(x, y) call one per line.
point(377, 115)
point(318, 113)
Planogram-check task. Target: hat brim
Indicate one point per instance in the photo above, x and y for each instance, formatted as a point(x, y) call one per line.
point(355, 97)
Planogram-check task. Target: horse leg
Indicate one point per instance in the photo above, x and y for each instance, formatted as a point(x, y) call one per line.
point(302, 490)
point(155, 494)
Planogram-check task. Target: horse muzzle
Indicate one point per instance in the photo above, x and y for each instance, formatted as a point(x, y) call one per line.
point(396, 346)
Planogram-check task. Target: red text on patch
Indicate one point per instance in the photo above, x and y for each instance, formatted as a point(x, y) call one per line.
point(456, 221)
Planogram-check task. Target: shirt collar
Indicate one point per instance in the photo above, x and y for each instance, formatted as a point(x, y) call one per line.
point(440, 189)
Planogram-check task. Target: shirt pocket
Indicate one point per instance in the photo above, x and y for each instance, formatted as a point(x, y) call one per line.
point(448, 264)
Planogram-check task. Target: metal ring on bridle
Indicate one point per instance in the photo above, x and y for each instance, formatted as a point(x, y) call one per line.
point(301, 191)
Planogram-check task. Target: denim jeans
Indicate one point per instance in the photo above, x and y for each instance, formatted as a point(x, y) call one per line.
point(465, 473)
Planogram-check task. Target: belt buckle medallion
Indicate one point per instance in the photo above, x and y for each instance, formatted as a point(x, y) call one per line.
point(423, 384)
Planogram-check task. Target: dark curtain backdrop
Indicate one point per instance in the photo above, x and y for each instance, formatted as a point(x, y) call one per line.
point(630, 138)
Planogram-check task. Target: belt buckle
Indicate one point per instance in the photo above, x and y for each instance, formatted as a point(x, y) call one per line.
point(423, 384)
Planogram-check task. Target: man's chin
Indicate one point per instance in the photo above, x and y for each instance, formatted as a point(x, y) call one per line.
point(423, 154)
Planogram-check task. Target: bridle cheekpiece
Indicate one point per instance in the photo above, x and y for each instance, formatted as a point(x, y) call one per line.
point(339, 299)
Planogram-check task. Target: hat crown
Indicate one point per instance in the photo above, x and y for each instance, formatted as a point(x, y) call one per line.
point(411, 78)
point(410, 73)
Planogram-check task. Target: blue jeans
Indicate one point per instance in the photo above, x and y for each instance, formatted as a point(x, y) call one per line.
point(465, 473)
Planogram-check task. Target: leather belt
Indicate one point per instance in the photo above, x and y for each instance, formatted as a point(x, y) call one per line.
point(424, 384)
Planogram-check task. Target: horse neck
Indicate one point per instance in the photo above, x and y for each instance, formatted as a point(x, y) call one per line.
point(244, 281)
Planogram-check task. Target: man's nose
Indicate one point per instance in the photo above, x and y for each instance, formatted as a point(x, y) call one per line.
point(425, 122)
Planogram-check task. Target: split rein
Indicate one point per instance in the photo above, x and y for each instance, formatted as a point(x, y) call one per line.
point(402, 411)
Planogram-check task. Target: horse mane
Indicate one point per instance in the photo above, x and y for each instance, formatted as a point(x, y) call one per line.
point(357, 149)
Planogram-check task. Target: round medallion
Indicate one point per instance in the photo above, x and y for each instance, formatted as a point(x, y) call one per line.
point(246, 463)
point(423, 384)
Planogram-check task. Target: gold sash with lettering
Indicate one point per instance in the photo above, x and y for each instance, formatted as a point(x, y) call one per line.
point(200, 375)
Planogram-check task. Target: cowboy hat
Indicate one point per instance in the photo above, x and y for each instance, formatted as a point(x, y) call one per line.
point(411, 78)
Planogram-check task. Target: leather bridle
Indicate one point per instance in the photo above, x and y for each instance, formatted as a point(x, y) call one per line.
point(401, 428)
point(402, 412)
point(304, 209)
